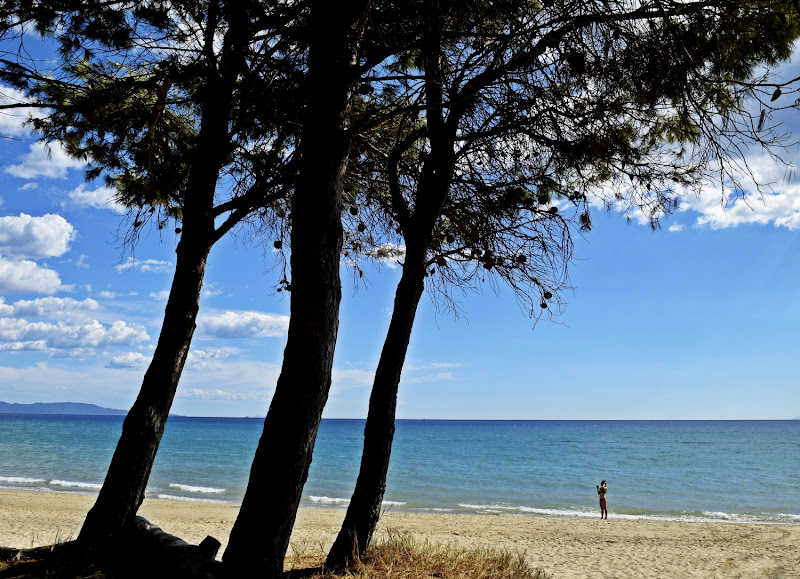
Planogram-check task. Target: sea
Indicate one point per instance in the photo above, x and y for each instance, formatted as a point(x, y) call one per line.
point(726, 471)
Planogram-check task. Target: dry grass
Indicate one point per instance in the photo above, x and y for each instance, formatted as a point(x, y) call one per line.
point(401, 556)
point(396, 556)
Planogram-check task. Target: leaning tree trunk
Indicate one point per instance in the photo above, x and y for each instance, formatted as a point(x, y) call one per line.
point(436, 176)
point(123, 490)
point(260, 536)
point(364, 509)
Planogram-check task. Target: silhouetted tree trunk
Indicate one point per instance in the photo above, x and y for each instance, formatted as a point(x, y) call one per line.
point(364, 509)
point(124, 486)
point(260, 536)
point(126, 480)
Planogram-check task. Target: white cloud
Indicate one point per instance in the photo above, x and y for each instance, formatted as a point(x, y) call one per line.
point(11, 120)
point(67, 339)
point(211, 290)
point(204, 359)
point(249, 379)
point(29, 277)
point(120, 333)
point(128, 360)
point(144, 265)
point(423, 372)
point(437, 377)
point(31, 346)
point(245, 379)
point(245, 324)
point(100, 198)
point(64, 309)
point(413, 373)
point(28, 187)
point(779, 205)
point(162, 295)
point(107, 295)
point(781, 209)
point(388, 254)
point(218, 394)
point(432, 366)
point(24, 236)
point(81, 263)
point(65, 327)
point(42, 160)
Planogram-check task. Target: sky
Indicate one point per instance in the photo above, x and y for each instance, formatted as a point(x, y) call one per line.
point(697, 320)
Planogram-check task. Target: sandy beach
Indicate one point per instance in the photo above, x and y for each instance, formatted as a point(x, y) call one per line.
point(564, 547)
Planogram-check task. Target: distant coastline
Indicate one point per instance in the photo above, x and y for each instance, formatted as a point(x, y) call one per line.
point(77, 408)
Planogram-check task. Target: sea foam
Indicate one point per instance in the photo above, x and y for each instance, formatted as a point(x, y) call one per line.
point(21, 480)
point(188, 499)
point(196, 489)
point(329, 500)
point(76, 485)
point(685, 517)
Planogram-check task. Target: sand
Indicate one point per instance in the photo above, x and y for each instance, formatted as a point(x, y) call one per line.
point(564, 547)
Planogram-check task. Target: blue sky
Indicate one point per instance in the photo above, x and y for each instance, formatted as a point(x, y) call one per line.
point(700, 320)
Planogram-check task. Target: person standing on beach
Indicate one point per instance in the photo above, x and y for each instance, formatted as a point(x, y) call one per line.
point(602, 489)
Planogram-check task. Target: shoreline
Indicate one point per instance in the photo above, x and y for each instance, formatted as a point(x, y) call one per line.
point(565, 547)
point(571, 513)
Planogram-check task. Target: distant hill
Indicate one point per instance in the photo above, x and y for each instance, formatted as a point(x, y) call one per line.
point(58, 408)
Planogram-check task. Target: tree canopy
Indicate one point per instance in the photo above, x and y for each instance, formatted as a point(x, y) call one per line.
point(510, 120)
point(468, 139)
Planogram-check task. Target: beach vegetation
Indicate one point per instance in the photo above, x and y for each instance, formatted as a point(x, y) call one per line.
point(403, 556)
point(392, 556)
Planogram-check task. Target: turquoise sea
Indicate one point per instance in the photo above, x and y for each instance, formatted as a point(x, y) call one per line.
point(744, 471)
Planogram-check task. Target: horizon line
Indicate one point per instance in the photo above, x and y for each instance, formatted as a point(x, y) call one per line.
point(437, 419)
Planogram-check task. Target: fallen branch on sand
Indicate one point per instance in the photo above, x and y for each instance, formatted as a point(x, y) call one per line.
point(145, 550)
